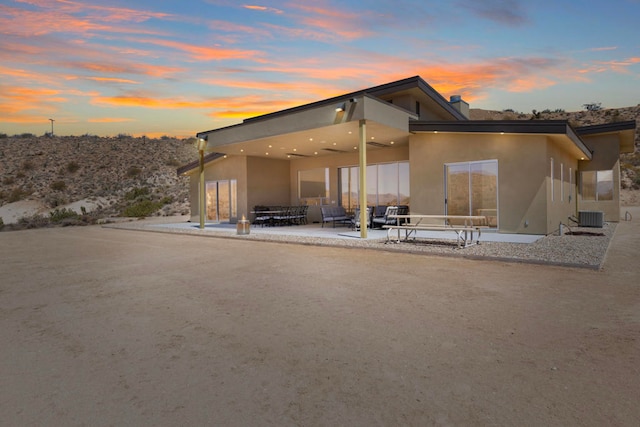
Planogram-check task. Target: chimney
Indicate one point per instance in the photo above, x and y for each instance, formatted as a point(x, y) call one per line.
point(460, 105)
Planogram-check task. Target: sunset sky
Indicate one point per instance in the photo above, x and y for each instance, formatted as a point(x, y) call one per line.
point(159, 67)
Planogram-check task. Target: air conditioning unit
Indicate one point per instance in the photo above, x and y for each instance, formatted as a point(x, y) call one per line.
point(591, 219)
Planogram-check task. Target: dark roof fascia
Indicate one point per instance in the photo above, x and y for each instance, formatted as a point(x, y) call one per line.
point(492, 126)
point(606, 128)
point(376, 92)
point(196, 163)
point(558, 127)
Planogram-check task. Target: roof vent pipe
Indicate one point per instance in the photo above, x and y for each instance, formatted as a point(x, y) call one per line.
point(459, 104)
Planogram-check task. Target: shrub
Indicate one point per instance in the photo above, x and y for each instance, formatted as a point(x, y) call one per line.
point(141, 209)
point(73, 166)
point(60, 214)
point(26, 135)
point(137, 193)
point(58, 185)
point(1, 224)
point(27, 165)
point(133, 171)
point(16, 195)
point(3, 135)
point(8, 180)
point(34, 221)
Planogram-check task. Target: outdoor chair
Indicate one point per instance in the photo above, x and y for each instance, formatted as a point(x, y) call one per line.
point(355, 221)
point(385, 220)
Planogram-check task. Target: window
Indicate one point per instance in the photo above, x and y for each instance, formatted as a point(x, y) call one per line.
point(570, 184)
point(313, 186)
point(562, 182)
point(387, 184)
point(597, 185)
point(472, 189)
point(552, 179)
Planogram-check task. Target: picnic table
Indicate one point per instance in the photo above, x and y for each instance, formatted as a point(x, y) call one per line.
point(465, 226)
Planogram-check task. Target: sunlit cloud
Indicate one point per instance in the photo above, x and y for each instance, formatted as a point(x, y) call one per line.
point(112, 80)
point(204, 53)
point(111, 120)
point(263, 9)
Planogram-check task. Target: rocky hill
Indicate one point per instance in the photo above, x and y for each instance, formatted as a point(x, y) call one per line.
point(103, 176)
point(109, 177)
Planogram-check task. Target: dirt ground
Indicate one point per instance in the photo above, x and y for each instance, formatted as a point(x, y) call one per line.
point(111, 327)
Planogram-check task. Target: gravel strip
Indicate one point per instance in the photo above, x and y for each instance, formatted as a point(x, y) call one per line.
point(586, 248)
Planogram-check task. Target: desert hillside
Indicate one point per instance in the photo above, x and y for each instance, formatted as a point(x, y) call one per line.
point(106, 177)
point(125, 176)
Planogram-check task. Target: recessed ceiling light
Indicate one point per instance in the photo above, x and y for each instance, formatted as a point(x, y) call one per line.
point(242, 150)
point(335, 143)
point(266, 154)
point(270, 145)
point(310, 139)
point(392, 142)
point(288, 156)
point(373, 137)
point(295, 149)
point(355, 148)
point(350, 132)
point(315, 152)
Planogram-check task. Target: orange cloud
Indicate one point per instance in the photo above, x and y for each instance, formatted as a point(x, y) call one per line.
point(142, 101)
point(203, 52)
point(263, 9)
point(112, 80)
point(111, 120)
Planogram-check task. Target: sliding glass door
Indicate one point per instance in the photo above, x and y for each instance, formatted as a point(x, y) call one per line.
point(221, 200)
point(472, 189)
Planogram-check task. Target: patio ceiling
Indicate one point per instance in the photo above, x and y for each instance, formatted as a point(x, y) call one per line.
point(321, 141)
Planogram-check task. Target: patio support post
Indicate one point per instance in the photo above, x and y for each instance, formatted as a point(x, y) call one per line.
point(362, 146)
point(201, 146)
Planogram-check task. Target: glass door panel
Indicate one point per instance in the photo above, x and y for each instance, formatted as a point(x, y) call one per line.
point(212, 200)
point(457, 202)
point(224, 201)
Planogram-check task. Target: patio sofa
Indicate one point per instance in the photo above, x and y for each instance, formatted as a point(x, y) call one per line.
point(334, 214)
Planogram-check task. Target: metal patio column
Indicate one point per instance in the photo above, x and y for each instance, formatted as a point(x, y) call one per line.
point(202, 196)
point(362, 145)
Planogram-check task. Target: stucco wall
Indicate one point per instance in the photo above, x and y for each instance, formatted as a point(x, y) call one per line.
point(562, 203)
point(606, 156)
point(522, 175)
point(267, 182)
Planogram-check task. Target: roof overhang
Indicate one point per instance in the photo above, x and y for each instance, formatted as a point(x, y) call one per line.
point(182, 170)
point(322, 128)
point(626, 132)
point(559, 130)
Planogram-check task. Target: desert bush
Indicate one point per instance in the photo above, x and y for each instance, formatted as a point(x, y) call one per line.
point(73, 166)
point(133, 171)
point(33, 221)
point(1, 224)
point(27, 165)
point(16, 195)
point(58, 185)
point(59, 215)
point(3, 135)
point(8, 180)
point(141, 209)
point(55, 200)
point(26, 135)
point(136, 193)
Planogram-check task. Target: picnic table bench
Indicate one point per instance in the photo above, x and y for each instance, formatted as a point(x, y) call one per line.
point(464, 226)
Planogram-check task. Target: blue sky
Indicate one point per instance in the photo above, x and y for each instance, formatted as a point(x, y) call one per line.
point(159, 67)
